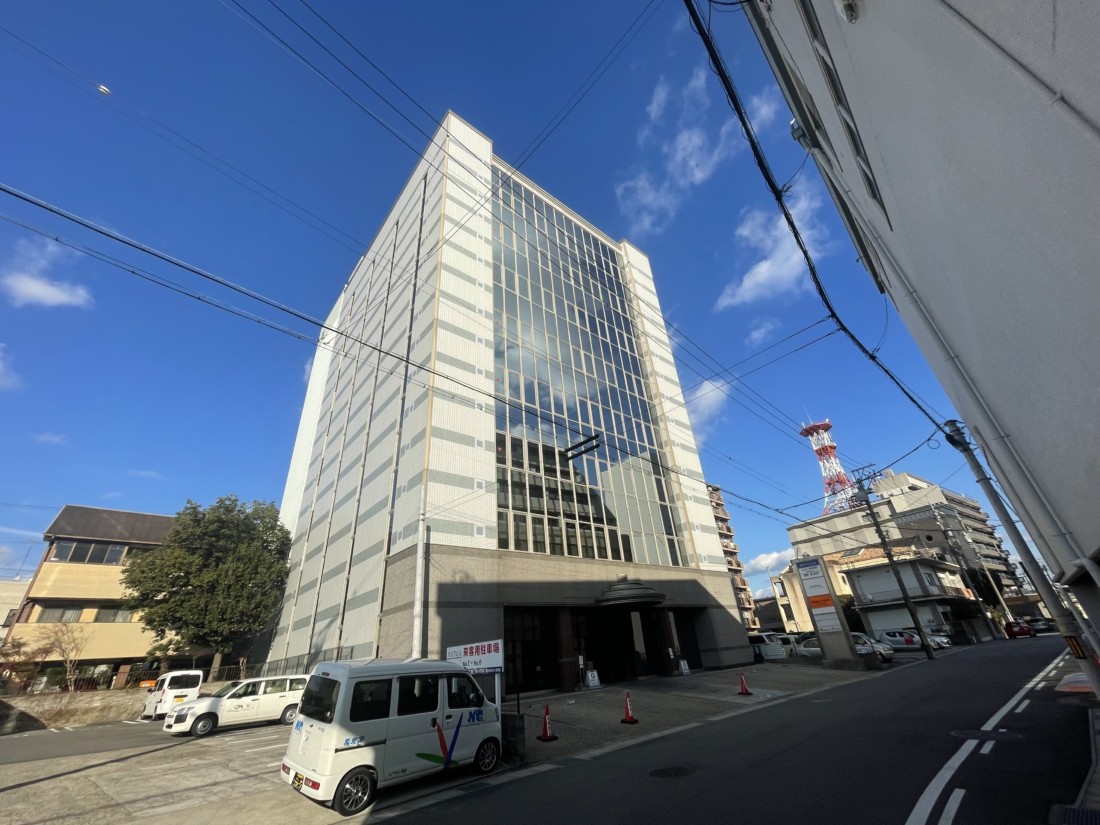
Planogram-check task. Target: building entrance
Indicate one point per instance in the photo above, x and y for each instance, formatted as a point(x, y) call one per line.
point(544, 647)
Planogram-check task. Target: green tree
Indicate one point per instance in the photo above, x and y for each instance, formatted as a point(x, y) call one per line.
point(218, 579)
point(851, 615)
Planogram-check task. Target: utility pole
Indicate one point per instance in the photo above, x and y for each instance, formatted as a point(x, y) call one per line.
point(1065, 620)
point(862, 497)
point(954, 547)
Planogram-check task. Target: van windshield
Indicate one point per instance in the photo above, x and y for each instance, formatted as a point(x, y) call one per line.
point(225, 690)
point(319, 698)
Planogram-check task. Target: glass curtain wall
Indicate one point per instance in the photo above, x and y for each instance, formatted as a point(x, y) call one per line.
point(567, 367)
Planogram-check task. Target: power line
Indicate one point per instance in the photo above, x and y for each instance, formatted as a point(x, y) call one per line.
point(777, 193)
point(593, 77)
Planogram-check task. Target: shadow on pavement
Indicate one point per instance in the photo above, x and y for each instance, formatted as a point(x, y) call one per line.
point(89, 767)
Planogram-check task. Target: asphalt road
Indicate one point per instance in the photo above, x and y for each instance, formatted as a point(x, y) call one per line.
point(60, 742)
point(865, 752)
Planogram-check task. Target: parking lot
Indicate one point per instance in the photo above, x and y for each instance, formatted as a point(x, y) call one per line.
point(132, 771)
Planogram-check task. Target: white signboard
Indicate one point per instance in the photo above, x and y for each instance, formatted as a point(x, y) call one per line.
point(818, 597)
point(479, 657)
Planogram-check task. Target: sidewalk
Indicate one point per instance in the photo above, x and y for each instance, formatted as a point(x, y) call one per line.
point(592, 719)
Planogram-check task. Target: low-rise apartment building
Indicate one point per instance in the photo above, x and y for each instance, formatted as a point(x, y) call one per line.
point(79, 582)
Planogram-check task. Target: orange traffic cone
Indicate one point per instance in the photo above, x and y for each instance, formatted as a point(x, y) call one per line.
point(744, 688)
point(629, 719)
point(546, 735)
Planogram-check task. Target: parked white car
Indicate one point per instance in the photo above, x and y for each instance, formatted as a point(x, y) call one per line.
point(767, 646)
point(241, 702)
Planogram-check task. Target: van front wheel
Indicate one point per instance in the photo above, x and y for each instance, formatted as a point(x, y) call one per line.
point(487, 756)
point(355, 793)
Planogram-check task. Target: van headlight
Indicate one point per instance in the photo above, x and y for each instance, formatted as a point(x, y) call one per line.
point(181, 715)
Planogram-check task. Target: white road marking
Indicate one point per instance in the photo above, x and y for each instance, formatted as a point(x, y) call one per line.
point(266, 748)
point(1041, 685)
point(273, 765)
point(987, 747)
point(923, 809)
point(952, 806)
point(1023, 705)
point(128, 722)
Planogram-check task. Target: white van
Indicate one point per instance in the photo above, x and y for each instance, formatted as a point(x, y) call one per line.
point(241, 702)
point(365, 725)
point(171, 689)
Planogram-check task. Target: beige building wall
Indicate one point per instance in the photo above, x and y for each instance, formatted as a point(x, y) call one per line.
point(467, 589)
point(105, 640)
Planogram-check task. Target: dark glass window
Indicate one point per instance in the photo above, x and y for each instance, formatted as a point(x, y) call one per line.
point(370, 700)
point(319, 698)
point(417, 694)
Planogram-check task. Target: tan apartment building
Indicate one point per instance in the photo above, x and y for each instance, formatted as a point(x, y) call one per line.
point(79, 582)
point(917, 512)
point(745, 601)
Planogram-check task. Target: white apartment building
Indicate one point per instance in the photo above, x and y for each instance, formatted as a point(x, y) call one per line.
point(440, 491)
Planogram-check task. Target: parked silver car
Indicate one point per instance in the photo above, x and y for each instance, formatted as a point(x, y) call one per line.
point(1041, 625)
point(811, 646)
point(937, 640)
point(900, 639)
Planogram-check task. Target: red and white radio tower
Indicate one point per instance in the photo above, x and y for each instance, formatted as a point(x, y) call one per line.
point(838, 487)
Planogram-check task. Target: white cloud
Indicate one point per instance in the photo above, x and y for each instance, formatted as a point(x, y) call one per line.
point(763, 593)
point(764, 107)
point(110, 494)
point(649, 206)
point(761, 331)
point(781, 269)
point(24, 277)
point(693, 158)
point(657, 102)
point(153, 474)
point(704, 403)
point(50, 438)
point(690, 153)
point(9, 378)
point(15, 531)
point(768, 561)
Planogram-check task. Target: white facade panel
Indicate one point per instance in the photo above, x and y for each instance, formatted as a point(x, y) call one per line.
point(982, 127)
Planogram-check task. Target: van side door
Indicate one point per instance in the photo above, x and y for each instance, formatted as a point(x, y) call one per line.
point(416, 743)
point(462, 720)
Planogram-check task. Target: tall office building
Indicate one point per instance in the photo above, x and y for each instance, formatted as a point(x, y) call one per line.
point(441, 491)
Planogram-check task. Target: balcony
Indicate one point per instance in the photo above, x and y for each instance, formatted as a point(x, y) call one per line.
point(927, 591)
point(739, 582)
point(745, 600)
point(724, 529)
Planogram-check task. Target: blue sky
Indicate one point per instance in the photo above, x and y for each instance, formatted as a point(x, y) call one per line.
point(116, 392)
